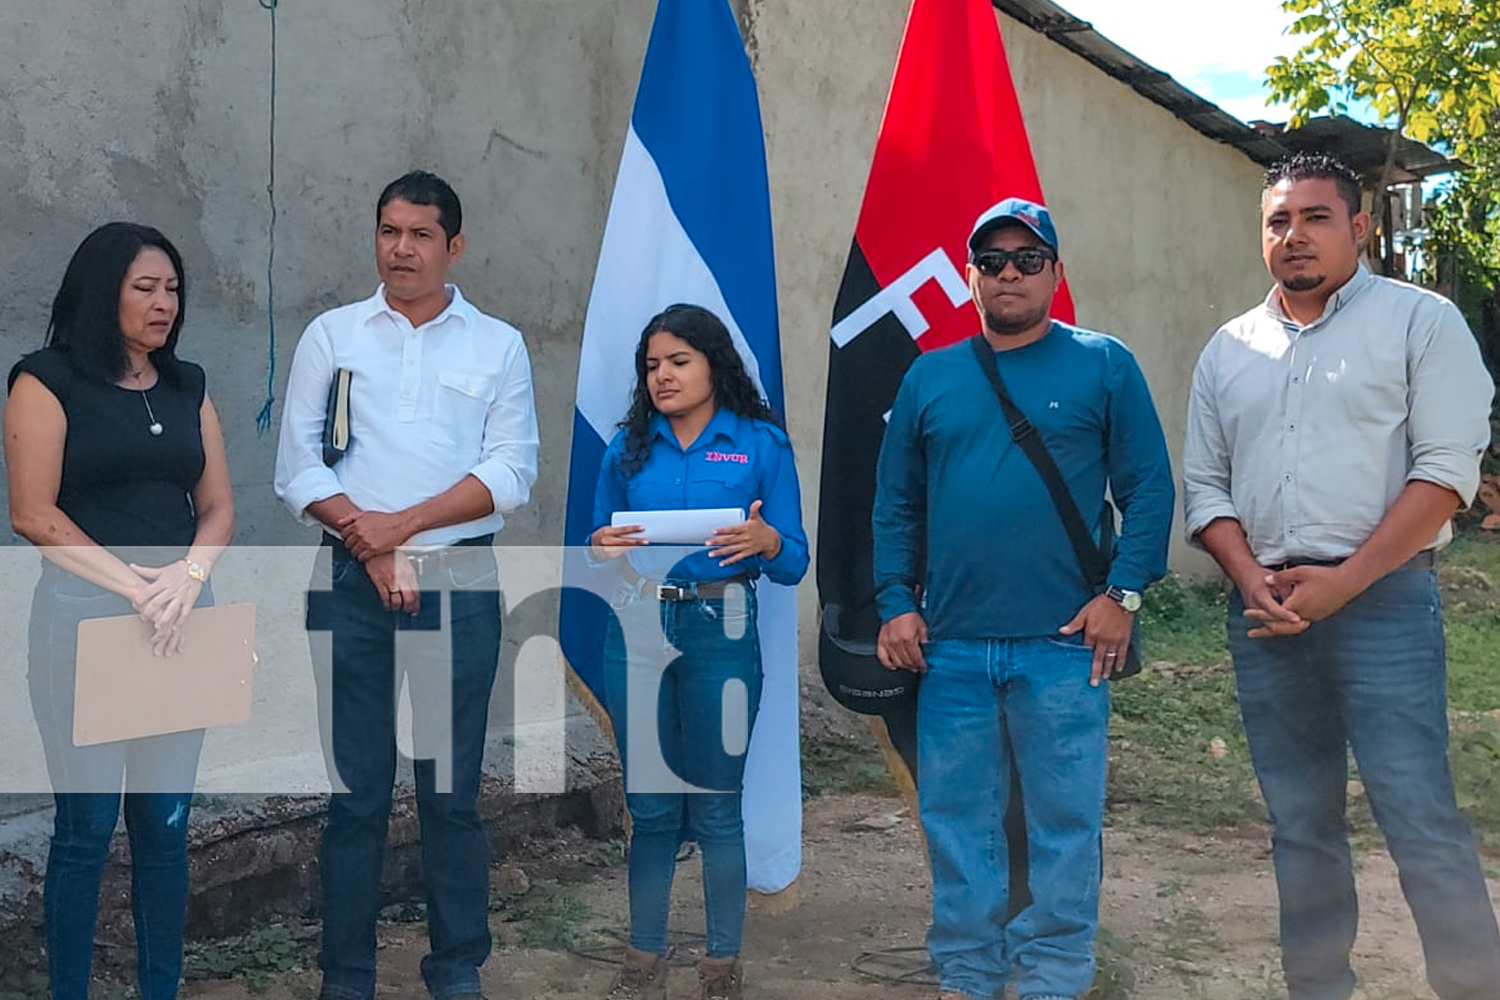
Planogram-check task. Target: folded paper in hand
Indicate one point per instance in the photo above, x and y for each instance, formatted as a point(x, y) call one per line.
point(679, 527)
point(336, 418)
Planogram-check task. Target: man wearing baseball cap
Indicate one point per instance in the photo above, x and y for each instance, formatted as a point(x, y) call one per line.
point(981, 590)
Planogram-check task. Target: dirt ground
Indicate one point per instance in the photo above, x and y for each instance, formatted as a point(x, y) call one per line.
point(1188, 918)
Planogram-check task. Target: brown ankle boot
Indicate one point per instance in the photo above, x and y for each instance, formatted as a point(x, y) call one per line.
point(642, 976)
point(720, 979)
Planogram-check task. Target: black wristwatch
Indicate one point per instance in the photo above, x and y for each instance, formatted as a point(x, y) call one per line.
point(1130, 600)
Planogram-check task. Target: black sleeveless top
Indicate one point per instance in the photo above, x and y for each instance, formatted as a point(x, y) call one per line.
point(125, 487)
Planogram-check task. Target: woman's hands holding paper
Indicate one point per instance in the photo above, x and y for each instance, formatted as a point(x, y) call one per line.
point(751, 537)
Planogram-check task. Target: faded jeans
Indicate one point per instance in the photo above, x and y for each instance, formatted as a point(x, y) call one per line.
point(693, 668)
point(357, 695)
point(983, 702)
point(157, 774)
point(1372, 677)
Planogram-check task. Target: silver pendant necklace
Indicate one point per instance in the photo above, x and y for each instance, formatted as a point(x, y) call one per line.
point(155, 426)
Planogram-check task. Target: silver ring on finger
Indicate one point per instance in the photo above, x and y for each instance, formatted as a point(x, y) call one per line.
point(1111, 655)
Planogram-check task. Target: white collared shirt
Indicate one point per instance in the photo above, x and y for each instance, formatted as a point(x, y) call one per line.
point(1307, 434)
point(428, 406)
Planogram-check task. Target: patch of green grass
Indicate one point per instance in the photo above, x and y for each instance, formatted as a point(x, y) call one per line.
point(1474, 752)
point(836, 767)
point(553, 918)
point(1114, 977)
point(1472, 621)
point(258, 958)
point(1171, 887)
point(1183, 621)
point(1474, 550)
point(1188, 935)
point(1473, 639)
point(610, 854)
point(1163, 772)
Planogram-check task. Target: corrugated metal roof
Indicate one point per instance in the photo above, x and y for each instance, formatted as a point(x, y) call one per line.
point(1363, 147)
point(1080, 38)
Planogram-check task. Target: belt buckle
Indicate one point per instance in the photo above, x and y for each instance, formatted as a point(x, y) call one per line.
point(672, 592)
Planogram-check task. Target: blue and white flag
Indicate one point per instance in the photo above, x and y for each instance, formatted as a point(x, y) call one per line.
point(690, 221)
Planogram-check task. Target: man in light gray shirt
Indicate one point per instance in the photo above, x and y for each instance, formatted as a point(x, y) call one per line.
point(1332, 432)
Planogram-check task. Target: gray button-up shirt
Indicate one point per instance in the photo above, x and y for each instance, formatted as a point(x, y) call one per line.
point(1307, 434)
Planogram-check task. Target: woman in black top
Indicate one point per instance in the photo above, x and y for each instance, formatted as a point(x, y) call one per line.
point(117, 473)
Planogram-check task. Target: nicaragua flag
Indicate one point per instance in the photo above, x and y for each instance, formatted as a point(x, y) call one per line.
point(690, 221)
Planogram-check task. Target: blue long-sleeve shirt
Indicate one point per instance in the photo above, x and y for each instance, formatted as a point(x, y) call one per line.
point(735, 461)
point(954, 492)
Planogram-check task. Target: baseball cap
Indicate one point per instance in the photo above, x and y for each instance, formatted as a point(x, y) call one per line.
point(1028, 213)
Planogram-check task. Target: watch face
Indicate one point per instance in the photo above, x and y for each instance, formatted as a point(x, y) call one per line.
point(1130, 601)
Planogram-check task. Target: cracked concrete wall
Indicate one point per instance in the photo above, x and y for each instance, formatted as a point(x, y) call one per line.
point(158, 111)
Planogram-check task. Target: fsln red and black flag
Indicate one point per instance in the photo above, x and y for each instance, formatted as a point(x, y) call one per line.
point(951, 144)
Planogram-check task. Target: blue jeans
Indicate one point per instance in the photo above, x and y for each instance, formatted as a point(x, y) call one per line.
point(157, 774)
point(357, 695)
point(692, 667)
point(1372, 678)
point(982, 703)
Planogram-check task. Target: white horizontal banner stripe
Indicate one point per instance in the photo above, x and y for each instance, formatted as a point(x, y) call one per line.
point(646, 263)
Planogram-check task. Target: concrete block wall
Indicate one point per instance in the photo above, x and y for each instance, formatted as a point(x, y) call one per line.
point(159, 111)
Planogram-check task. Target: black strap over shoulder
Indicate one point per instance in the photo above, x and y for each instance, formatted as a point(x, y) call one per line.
point(1095, 563)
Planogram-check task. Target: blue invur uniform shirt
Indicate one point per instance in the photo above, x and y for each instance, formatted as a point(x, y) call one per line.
point(954, 491)
point(735, 461)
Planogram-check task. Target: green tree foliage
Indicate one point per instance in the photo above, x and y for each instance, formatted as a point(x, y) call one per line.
point(1461, 252)
point(1430, 71)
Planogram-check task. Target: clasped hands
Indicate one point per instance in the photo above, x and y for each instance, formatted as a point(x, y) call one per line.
point(373, 537)
point(730, 544)
point(1285, 602)
point(165, 598)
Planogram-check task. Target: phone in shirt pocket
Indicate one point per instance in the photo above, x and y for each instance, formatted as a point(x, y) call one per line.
point(463, 399)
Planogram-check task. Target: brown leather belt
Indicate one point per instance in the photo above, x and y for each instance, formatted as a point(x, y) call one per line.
point(710, 590)
point(684, 590)
point(1424, 560)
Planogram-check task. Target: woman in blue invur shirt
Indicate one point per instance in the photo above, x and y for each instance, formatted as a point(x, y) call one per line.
point(698, 436)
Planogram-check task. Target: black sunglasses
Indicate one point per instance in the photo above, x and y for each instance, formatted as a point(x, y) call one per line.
point(1028, 260)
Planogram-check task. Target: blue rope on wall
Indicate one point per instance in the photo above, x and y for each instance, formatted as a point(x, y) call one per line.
point(263, 419)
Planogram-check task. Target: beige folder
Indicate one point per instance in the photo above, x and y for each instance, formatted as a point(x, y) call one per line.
point(125, 691)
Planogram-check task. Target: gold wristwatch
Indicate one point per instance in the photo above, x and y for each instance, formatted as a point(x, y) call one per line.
point(196, 571)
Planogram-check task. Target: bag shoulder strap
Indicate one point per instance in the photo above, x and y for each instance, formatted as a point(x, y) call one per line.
point(1023, 432)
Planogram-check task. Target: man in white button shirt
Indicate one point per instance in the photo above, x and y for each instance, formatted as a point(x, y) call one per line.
point(443, 439)
point(1332, 432)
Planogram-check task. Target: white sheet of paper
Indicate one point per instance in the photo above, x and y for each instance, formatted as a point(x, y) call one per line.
point(679, 527)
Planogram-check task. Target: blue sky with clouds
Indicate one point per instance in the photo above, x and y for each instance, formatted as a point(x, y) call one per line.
point(1217, 48)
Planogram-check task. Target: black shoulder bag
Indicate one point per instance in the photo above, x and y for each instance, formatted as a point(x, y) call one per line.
point(1091, 558)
